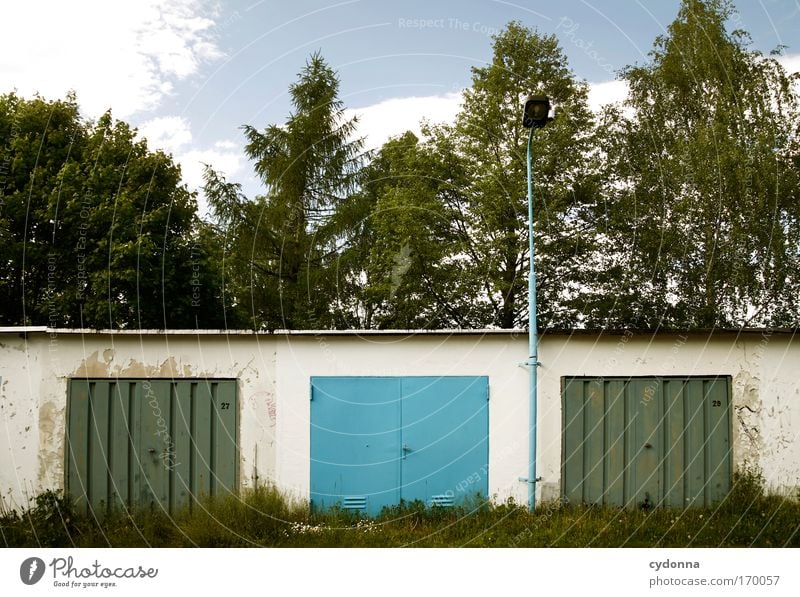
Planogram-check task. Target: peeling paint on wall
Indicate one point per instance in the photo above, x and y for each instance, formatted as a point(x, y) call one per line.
point(747, 442)
point(93, 366)
point(52, 423)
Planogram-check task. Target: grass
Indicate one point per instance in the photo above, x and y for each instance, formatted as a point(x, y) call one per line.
point(264, 517)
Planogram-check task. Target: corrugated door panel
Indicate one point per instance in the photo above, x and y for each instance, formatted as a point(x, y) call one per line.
point(181, 488)
point(150, 443)
point(98, 493)
point(631, 447)
point(154, 411)
point(648, 409)
point(78, 444)
point(202, 434)
point(119, 444)
point(224, 445)
point(572, 468)
point(718, 444)
point(614, 461)
point(646, 441)
point(135, 461)
point(675, 454)
point(694, 444)
point(594, 444)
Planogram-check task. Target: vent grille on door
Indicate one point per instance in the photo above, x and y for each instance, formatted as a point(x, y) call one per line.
point(354, 503)
point(442, 500)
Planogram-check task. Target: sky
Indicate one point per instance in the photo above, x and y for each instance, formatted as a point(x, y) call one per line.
point(189, 73)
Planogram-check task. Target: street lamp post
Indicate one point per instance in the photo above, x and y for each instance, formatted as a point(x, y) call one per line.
point(536, 114)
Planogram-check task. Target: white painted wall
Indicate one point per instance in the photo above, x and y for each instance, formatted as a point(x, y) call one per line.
point(33, 393)
point(300, 357)
point(274, 370)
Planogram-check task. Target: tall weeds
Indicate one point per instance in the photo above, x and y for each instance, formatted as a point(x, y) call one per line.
point(265, 517)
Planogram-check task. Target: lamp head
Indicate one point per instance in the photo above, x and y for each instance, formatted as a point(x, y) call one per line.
point(536, 111)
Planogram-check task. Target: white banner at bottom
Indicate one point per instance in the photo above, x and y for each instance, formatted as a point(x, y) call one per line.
point(389, 572)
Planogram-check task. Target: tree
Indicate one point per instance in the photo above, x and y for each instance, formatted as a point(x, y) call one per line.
point(480, 168)
point(399, 267)
point(97, 230)
point(36, 139)
point(702, 188)
point(280, 246)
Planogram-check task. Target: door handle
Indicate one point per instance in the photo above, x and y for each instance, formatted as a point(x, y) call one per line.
point(648, 445)
point(406, 450)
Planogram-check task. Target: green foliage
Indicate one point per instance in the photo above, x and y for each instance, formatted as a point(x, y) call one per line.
point(432, 232)
point(265, 517)
point(703, 222)
point(97, 231)
point(51, 522)
point(493, 144)
point(474, 174)
point(680, 209)
point(396, 269)
point(280, 247)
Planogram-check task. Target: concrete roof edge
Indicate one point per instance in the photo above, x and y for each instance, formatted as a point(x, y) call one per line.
point(10, 329)
point(395, 332)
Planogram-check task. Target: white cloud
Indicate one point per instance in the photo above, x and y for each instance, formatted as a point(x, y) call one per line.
point(168, 133)
point(791, 62)
point(395, 116)
point(120, 55)
point(173, 134)
point(226, 144)
point(224, 156)
point(607, 92)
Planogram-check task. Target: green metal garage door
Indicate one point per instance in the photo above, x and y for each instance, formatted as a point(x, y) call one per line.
point(658, 441)
point(150, 443)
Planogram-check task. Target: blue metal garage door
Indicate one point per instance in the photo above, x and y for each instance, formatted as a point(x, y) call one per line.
point(377, 440)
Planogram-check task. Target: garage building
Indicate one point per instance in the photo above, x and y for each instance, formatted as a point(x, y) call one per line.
point(364, 419)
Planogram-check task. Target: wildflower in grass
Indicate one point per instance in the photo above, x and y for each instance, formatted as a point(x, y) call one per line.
point(366, 526)
point(299, 527)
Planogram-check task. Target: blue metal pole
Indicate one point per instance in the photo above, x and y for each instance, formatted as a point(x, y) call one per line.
point(533, 341)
